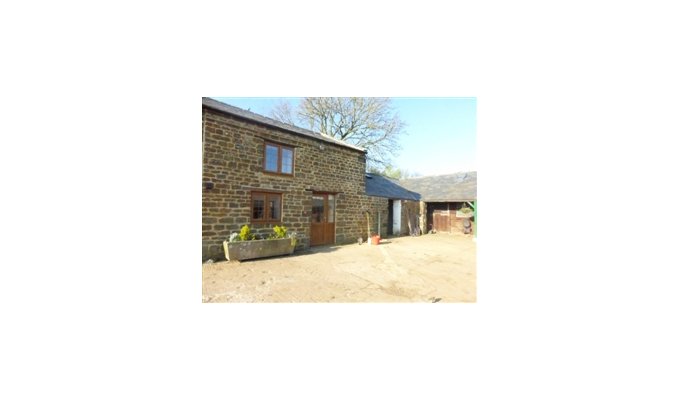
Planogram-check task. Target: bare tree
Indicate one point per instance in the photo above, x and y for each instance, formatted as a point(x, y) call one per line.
point(283, 111)
point(368, 122)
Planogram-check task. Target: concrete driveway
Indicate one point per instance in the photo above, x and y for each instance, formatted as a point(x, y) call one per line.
point(428, 268)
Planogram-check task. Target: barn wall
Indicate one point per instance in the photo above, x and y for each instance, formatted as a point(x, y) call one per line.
point(456, 223)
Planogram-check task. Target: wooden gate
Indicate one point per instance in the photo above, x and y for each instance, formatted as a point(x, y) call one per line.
point(441, 220)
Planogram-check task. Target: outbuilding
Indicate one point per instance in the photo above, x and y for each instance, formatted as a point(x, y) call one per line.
point(397, 218)
point(441, 196)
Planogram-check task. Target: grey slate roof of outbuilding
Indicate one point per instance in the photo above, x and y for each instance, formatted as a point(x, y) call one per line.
point(381, 186)
point(239, 112)
point(461, 186)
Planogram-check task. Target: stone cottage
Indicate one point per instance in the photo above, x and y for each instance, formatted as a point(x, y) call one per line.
point(261, 172)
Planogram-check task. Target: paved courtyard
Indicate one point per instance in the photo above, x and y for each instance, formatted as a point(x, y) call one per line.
point(428, 268)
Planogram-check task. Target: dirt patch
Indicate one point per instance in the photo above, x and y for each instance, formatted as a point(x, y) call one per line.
point(428, 268)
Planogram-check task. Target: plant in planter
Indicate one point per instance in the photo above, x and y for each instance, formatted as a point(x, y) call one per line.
point(244, 246)
point(245, 233)
point(279, 232)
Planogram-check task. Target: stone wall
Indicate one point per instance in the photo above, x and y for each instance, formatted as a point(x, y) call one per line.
point(233, 152)
point(375, 205)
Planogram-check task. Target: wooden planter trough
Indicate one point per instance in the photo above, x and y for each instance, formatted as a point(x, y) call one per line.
point(250, 249)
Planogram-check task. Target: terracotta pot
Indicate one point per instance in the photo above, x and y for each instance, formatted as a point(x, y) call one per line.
point(375, 239)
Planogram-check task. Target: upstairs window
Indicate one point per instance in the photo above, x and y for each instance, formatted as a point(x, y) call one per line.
point(279, 159)
point(266, 207)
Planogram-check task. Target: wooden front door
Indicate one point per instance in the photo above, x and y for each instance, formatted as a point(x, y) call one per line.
point(323, 219)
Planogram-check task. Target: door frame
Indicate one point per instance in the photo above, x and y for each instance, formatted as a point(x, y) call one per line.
point(327, 229)
point(390, 217)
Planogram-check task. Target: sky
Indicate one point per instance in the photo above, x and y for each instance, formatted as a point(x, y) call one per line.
point(440, 134)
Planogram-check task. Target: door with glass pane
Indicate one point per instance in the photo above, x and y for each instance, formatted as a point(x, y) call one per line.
point(323, 219)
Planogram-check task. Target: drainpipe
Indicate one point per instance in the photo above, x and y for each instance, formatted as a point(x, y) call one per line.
point(473, 205)
point(476, 223)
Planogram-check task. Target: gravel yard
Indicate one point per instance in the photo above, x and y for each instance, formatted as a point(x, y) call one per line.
point(428, 268)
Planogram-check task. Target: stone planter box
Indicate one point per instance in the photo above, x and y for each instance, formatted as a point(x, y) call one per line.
point(250, 249)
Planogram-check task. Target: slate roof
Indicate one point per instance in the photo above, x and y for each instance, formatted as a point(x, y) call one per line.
point(251, 116)
point(381, 186)
point(461, 186)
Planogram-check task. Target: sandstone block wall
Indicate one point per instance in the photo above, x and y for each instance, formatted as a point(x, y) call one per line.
point(233, 152)
point(375, 205)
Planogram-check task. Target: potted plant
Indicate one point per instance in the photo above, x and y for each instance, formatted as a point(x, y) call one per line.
point(373, 238)
point(244, 246)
